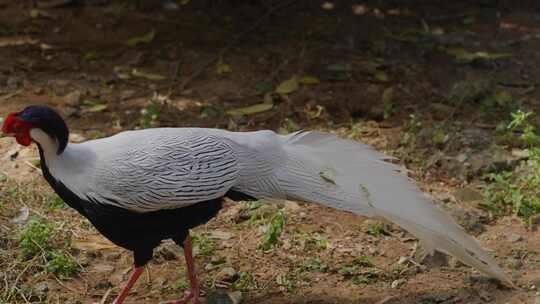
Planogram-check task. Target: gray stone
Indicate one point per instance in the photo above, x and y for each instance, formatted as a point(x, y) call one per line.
point(471, 220)
point(514, 237)
point(41, 288)
point(168, 251)
point(397, 283)
point(73, 98)
point(227, 274)
point(13, 82)
point(236, 297)
point(468, 195)
point(437, 259)
point(111, 255)
point(218, 297)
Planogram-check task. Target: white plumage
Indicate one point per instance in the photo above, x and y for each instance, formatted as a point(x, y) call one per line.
point(164, 168)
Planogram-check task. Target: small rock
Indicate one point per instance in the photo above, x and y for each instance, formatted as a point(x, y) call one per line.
point(435, 298)
point(73, 98)
point(103, 285)
point(168, 251)
point(471, 220)
point(443, 197)
point(111, 255)
point(41, 288)
point(437, 259)
point(218, 297)
point(485, 295)
point(397, 283)
point(536, 283)
point(85, 258)
point(236, 297)
point(227, 274)
point(71, 111)
point(76, 137)
point(462, 157)
point(24, 212)
point(403, 260)
point(534, 222)
point(514, 237)
point(161, 282)
point(13, 82)
point(468, 195)
point(475, 138)
point(102, 268)
point(127, 94)
point(291, 207)
point(514, 263)
point(221, 235)
point(39, 91)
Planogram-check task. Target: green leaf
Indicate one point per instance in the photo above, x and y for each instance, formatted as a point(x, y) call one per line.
point(274, 231)
point(222, 67)
point(147, 75)
point(91, 56)
point(381, 76)
point(288, 86)
point(463, 56)
point(35, 13)
point(257, 108)
point(146, 38)
point(309, 80)
point(100, 107)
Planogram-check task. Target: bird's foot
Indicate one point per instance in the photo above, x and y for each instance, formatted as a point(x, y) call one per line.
point(192, 295)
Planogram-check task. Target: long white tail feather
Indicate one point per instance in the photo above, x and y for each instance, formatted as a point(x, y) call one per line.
point(348, 175)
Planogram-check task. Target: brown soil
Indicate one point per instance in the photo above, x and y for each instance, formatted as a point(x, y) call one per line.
point(81, 48)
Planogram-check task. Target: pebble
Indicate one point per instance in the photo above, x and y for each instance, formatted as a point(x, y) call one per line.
point(13, 82)
point(514, 237)
point(227, 274)
point(168, 251)
point(223, 297)
point(111, 255)
point(397, 283)
point(73, 98)
point(41, 288)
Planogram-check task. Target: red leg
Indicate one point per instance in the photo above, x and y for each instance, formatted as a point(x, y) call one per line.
point(132, 279)
point(193, 292)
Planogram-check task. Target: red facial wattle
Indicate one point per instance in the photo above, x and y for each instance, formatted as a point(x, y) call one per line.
point(18, 128)
point(7, 127)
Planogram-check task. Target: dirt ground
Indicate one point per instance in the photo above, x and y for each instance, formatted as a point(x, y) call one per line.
point(363, 70)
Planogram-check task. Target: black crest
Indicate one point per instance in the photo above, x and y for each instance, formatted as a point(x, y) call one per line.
point(49, 121)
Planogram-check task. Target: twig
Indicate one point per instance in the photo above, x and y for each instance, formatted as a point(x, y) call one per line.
point(386, 300)
point(67, 287)
point(105, 296)
point(9, 95)
point(28, 265)
point(33, 167)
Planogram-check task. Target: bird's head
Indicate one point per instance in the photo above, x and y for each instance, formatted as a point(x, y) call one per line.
point(20, 124)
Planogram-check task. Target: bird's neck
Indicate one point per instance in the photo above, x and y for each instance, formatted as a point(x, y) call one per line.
point(70, 164)
point(48, 146)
